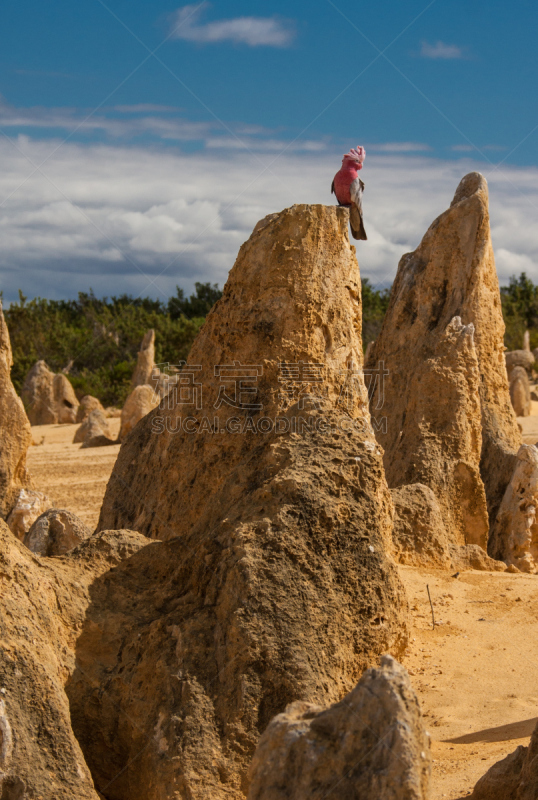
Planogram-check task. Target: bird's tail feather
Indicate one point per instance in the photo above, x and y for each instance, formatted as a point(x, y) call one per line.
point(357, 225)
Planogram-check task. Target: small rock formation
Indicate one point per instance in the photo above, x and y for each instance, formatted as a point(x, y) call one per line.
point(48, 398)
point(473, 557)
point(15, 433)
point(514, 538)
point(419, 534)
point(450, 275)
point(65, 400)
point(518, 358)
point(146, 361)
point(273, 583)
point(513, 778)
point(37, 395)
point(43, 606)
point(87, 405)
point(140, 402)
point(520, 392)
point(420, 538)
point(28, 507)
point(94, 431)
point(55, 533)
point(438, 444)
point(527, 341)
point(371, 745)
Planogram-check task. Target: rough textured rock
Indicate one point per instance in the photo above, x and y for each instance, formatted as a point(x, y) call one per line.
point(55, 533)
point(38, 396)
point(43, 605)
point(438, 444)
point(65, 400)
point(140, 402)
point(514, 538)
point(146, 361)
point(274, 584)
point(451, 274)
point(519, 358)
point(94, 431)
point(520, 392)
point(472, 556)
point(48, 398)
point(28, 507)
point(513, 778)
point(15, 433)
point(87, 405)
point(420, 538)
point(372, 744)
point(419, 534)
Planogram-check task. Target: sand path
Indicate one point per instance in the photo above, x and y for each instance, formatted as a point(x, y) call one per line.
point(475, 673)
point(74, 479)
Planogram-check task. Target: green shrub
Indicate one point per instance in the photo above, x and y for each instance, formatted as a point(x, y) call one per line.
point(98, 339)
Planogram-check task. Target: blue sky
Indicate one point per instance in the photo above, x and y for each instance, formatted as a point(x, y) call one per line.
point(141, 137)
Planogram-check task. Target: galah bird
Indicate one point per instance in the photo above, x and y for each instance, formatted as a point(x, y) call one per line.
point(348, 188)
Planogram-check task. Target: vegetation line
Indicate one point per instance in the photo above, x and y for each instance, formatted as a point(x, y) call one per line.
point(101, 337)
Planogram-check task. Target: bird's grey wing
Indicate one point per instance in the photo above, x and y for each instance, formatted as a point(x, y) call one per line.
point(332, 187)
point(355, 215)
point(356, 190)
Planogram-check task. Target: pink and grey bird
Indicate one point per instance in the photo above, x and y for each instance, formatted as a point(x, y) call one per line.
point(348, 188)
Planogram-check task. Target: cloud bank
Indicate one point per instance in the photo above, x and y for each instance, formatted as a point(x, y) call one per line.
point(141, 220)
point(252, 31)
point(440, 50)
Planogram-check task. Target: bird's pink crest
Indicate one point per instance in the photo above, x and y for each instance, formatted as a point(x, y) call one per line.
point(357, 155)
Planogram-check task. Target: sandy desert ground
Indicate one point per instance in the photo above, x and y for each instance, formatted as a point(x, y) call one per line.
point(73, 478)
point(475, 672)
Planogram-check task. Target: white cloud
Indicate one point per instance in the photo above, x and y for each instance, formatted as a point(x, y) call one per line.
point(441, 50)
point(264, 145)
point(143, 108)
point(252, 31)
point(398, 147)
point(141, 220)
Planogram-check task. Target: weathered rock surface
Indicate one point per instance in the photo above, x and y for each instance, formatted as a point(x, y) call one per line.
point(43, 606)
point(520, 392)
point(94, 431)
point(420, 537)
point(471, 556)
point(15, 433)
point(29, 505)
point(87, 405)
point(514, 538)
point(451, 274)
point(37, 395)
point(274, 584)
point(518, 358)
point(372, 744)
point(146, 361)
point(65, 400)
point(55, 533)
point(48, 398)
point(419, 534)
point(439, 443)
point(140, 402)
point(513, 778)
